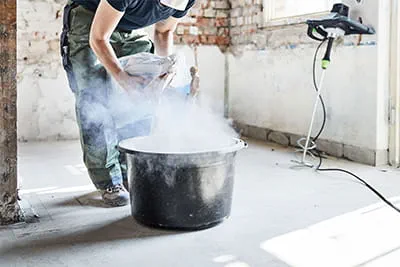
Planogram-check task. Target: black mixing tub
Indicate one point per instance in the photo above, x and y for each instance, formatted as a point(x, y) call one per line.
point(180, 190)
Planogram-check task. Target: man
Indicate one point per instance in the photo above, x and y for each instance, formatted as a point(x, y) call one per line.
point(103, 31)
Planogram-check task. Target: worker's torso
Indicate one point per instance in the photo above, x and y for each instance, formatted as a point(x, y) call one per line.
point(138, 13)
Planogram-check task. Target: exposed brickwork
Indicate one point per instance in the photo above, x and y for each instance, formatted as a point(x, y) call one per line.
point(223, 23)
point(248, 29)
point(239, 25)
point(236, 24)
point(245, 20)
point(206, 24)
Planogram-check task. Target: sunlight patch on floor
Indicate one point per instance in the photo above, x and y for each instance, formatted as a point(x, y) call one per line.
point(367, 237)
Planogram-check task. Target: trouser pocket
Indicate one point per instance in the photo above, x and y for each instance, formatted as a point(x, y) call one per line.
point(65, 48)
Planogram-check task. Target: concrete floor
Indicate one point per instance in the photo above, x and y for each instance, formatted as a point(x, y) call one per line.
point(281, 217)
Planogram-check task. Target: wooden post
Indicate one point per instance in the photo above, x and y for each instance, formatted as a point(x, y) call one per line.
point(9, 208)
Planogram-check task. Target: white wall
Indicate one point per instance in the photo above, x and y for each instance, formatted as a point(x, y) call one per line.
point(212, 74)
point(383, 76)
point(45, 104)
point(273, 88)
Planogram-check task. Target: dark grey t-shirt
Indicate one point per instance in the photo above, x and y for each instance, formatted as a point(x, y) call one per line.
point(138, 13)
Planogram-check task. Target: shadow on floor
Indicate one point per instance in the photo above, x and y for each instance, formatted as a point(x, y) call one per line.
point(50, 241)
point(92, 199)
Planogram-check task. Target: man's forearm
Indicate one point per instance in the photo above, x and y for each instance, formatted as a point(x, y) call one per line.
point(106, 55)
point(164, 42)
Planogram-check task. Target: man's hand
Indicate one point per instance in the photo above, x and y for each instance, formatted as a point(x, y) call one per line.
point(144, 88)
point(135, 86)
point(131, 82)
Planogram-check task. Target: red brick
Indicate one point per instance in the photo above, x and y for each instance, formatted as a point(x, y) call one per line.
point(203, 39)
point(223, 40)
point(212, 39)
point(221, 22)
point(205, 22)
point(191, 39)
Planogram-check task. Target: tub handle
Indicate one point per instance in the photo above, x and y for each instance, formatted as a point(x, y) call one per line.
point(119, 149)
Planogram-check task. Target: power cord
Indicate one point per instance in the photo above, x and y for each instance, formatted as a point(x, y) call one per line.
point(317, 153)
point(316, 88)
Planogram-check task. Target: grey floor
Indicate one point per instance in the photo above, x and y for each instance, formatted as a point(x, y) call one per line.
point(281, 216)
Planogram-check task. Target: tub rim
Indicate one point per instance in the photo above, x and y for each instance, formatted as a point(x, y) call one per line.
point(239, 145)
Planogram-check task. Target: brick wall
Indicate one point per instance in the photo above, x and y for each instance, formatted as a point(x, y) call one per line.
point(237, 24)
point(206, 24)
point(246, 18)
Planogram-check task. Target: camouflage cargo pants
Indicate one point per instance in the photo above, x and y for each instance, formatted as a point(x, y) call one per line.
point(92, 88)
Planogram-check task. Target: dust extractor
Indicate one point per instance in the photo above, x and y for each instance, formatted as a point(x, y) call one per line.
point(327, 30)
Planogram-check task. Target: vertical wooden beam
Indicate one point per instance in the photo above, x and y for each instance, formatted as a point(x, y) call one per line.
point(9, 208)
